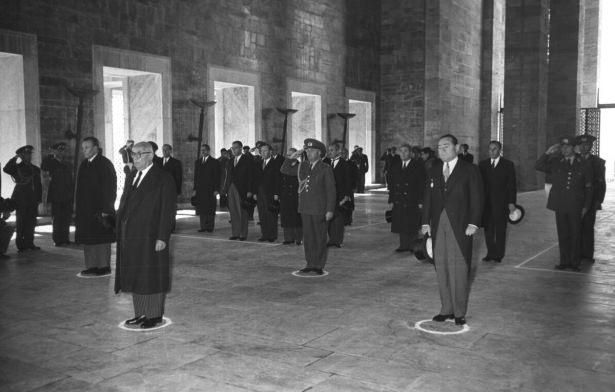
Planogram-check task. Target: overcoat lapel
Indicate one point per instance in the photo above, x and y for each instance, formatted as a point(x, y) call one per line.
point(136, 196)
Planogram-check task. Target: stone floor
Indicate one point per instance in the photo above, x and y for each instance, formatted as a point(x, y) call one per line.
point(242, 322)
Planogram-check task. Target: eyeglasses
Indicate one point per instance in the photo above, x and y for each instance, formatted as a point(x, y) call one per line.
point(139, 154)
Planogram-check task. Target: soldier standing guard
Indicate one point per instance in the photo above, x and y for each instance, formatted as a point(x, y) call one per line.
point(316, 201)
point(585, 143)
point(60, 193)
point(27, 194)
point(570, 198)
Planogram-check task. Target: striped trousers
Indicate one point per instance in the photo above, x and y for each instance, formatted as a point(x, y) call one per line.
point(149, 305)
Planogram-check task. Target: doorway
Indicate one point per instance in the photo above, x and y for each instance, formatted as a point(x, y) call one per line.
point(234, 115)
point(306, 123)
point(360, 132)
point(606, 87)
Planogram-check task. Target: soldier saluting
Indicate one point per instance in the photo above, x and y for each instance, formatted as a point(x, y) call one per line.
point(570, 197)
point(27, 194)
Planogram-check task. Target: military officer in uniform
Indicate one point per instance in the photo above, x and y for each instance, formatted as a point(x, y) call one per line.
point(342, 191)
point(60, 192)
point(570, 197)
point(290, 218)
point(585, 143)
point(316, 201)
point(27, 194)
point(406, 188)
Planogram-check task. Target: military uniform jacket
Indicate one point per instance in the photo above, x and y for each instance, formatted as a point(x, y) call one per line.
point(146, 214)
point(500, 186)
point(598, 168)
point(28, 188)
point(316, 186)
point(61, 188)
point(406, 192)
point(572, 185)
point(462, 198)
point(206, 182)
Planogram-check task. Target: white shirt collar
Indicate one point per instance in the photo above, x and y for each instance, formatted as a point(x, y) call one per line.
point(451, 166)
point(91, 159)
point(143, 174)
point(495, 161)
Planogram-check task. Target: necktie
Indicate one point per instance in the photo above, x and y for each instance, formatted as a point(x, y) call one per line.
point(236, 161)
point(264, 164)
point(493, 163)
point(447, 172)
point(136, 183)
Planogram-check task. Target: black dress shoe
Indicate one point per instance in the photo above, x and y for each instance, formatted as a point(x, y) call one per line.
point(575, 269)
point(210, 230)
point(443, 317)
point(460, 320)
point(561, 267)
point(497, 259)
point(399, 250)
point(487, 258)
point(151, 323)
point(271, 240)
point(201, 230)
point(233, 238)
point(262, 239)
point(90, 271)
point(306, 270)
point(34, 247)
point(319, 271)
point(242, 238)
point(287, 242)
point(103, 271)
point(135, 321)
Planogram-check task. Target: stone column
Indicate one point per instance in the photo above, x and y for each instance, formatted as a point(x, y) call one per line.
point(587, 79)
point(525, 83)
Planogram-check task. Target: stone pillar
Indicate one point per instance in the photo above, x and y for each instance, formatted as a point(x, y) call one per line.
point(563, 69)
point(587, 79)
point(525, 83)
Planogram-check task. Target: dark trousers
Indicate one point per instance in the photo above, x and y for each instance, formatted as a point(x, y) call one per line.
point(361, 183)
point(6, 232)
point(25, 224)
point(452, 271)
point(239, 216)
point(61, 214)
point(268, 219)
point(97, 255)
point(148, 305)
point(587, 234)
point(293, 234)
point(223, 201)
point(569, 237)
point(315, 240)
point(207, 221)
point(495, 236)
point(405, 240)
point(336, 229)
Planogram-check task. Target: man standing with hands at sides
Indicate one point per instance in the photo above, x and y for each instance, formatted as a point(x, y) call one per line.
point(500, 186)
point(342, 191)
point(362, 163)
point(597, 164)
point(406, 189)
point(27, 194)
point(570, 198)
point(174, 168)
point(268, 186)
point(452, 208)
point(223, 161)
point(290, 218)
point(95, 195)
point(144, 223)
point(239, 186)
point(206, 188)
point(316, 201)
point(60, 193)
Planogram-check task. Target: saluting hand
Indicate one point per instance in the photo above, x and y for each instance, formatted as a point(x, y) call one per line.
point(471, 230)
point(426, 229)
point(160, 245)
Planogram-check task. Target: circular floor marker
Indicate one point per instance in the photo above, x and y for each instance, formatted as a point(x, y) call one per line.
point(165, 323)
point(301, 275)
point(79, 275)
point(419, 325)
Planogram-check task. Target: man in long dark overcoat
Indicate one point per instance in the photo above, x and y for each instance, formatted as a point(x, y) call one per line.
point(268, 193)
point(144, 224)
point(500, 186)
point(239, 186)
point(452, 210)
point(342, 195)
point(206, 188)
point(290, 218)
point(96, 190)
point(406, 189)
point(60, 193)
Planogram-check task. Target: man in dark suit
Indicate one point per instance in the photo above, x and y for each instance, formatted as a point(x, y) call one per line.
point(27, 194)
point(406, 191)
point(223, 161)
point(342, 192)
point(316, 201)
point(570, 198)
point(60, 192)
point(452, 211)
point(239, 187)
point(144, 223)
point(157, 159)
point(588, 222)
point(500, 186)
point(362, 164)
point(173, 166)
point(96, 190)
point(390, 159)
point(206, 188)
point(268, 193)
point(464, 154)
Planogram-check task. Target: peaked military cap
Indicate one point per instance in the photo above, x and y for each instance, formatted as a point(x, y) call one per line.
point(313, 143)
point(582, 139)
point(25, 149)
